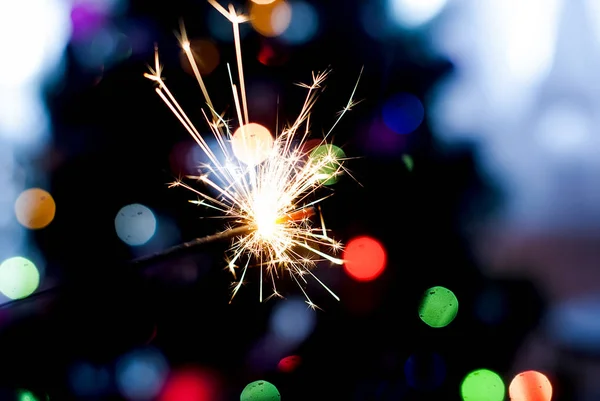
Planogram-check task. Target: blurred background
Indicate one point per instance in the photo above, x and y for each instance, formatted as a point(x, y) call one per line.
point(472, 197)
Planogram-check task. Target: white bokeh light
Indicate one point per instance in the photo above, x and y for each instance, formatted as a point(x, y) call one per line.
point(141, 374)
point(413, 13)
point(292, 321)
point(135, 224)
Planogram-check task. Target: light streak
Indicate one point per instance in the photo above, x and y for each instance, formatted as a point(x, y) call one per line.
point(272, 196)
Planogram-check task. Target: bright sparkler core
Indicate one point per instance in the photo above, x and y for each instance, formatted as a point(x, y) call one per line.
point(265, 182)
point(266, 215)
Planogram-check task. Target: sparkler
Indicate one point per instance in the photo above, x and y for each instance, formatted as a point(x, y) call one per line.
point(263, 183)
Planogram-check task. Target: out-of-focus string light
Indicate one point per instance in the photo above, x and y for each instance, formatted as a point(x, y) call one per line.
point(291, 322)
point(365, 258)
point(19, 277)
point(271, 19)
point(26, 395)
point(87, 380)
point(35, 208)
point(438, 307)
point(260, 390)
point(141, 374)
point(530, 386)
point(190, 384)
point(414, 13)
point(304, 23)
point(482, 385)
point(206, 54)
point(289, 363)
point(135, 224)
point(403, 113)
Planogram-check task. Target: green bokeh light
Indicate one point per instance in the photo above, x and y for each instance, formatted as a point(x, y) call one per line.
point(482, 385)
point(25, 395)
point(438, 307)
point(260, 390)
point(330, 156)
point(19, 277)
point(408, 162)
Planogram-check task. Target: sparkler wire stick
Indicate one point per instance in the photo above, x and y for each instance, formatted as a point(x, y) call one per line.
point(144, 262)
point(255, 179)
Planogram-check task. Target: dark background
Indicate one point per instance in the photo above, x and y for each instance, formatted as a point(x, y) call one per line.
point(112, 144)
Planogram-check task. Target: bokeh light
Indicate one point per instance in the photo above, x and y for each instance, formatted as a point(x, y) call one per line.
point(408, 162)
point(289, 363)
point(185, 158)
point(271, 19)
point(135, 224)
point(331, 157)
point(35, 208)
point(378, 139)
point(141, 374)
point(403, 113)
point(262, 98)
point(86, 19)
point(26, 395)
point(291, 321)
point(190, 384)
point(425, 371)
point(438, 307)
point(263, 1)
point(87, 380)
point(260, 390)
point(19, 277)
point(252, 143)
point(573, 323)
point(530, 386)
point(482, 385)
point(104, 48)
point(205, 53)
point(304, 23)
point(413, 13)
point(273, 54)
point(365, 258)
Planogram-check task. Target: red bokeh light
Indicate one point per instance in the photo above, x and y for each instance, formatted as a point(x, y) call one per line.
point(364, 258)
point(190, 385)
point(289, 363)
point(272, 55)
point(530, 386)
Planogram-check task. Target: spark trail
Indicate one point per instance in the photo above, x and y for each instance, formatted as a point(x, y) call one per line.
point(263, 182)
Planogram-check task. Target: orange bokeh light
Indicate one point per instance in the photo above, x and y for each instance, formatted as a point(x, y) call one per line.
point(530, 386)
point(206, 54)
point(271, 19)
point(364, 258)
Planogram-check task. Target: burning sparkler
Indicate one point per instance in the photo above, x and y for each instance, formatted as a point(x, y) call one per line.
point(265, 183)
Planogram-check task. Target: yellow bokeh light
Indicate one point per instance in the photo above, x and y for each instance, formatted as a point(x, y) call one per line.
point(35, 208)
point(271, 19)
point(252, 143)
point(263, 2)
